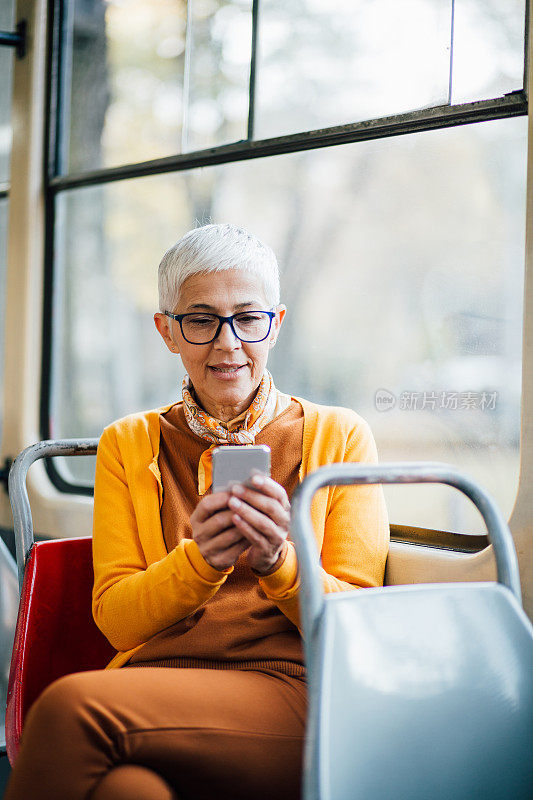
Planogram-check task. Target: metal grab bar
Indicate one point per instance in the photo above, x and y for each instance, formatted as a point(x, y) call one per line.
point(393, 472)
point(18, 492)
point(16, 39)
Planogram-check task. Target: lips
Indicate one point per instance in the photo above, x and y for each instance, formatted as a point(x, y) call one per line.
point(226, 368)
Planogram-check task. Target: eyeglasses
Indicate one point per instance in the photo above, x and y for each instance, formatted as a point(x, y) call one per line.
point(248, 326)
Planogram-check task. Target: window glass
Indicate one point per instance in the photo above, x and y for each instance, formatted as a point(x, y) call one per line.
point(323, 64)
point(488, 48)
point(6, 75)
point(123, 79)
point(148, 80)
point(404, 293)
point(219, 40)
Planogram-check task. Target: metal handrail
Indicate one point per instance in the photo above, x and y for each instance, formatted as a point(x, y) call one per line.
point(301, 525)
point(16, 39)
point(312, 595)
point(18, 492)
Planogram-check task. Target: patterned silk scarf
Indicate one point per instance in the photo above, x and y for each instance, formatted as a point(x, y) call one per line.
point(266, 405)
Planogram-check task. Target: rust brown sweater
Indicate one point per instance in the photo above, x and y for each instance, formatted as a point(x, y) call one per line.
point(239, 627)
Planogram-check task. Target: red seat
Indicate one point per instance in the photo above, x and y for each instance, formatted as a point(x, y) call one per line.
point(56, 633)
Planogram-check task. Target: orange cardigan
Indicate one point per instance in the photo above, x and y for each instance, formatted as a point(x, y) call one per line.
point(140, 589)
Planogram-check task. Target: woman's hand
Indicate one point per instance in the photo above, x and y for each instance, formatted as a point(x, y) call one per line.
point(262, 516)
point(218, 539)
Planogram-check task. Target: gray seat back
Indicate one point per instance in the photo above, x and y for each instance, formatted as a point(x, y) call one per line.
point(415, 692)
point(425, 692)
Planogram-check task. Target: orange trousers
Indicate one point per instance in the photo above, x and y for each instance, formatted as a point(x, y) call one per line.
point(156, 733)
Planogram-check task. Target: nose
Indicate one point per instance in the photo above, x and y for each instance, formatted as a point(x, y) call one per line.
point(226, 339)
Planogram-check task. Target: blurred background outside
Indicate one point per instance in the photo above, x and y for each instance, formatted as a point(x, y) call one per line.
point(402, 258)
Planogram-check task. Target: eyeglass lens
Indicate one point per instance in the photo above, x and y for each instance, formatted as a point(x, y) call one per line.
point(249, 326)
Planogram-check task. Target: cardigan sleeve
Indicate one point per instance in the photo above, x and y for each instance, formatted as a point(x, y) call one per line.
point(356, 536)
point(132, 601)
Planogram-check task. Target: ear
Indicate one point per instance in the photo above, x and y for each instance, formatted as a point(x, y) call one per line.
point(276, 325)
point(163, 323)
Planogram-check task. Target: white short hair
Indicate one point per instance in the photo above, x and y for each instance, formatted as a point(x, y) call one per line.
point(213, 248)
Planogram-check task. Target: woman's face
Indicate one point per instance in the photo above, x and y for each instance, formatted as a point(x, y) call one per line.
point(221, 389)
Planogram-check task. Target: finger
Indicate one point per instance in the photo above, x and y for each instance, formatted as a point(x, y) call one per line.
point(227, 558)
point(261, 522)
point(240, 547)
point(224, 541)
point(268, 505)
point(257, 539)
point(215, 524)
point(270, 487)
point(250, 534)
point(208, 505)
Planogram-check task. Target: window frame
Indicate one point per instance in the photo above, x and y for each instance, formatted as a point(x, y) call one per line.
point(512, 104)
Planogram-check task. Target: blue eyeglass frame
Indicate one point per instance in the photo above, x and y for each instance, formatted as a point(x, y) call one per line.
point(221, 320)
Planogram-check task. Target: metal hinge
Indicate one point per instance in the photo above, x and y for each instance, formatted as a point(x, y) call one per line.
point(16, 39)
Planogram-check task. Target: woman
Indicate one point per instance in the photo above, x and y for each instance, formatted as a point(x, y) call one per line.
point(198, 590)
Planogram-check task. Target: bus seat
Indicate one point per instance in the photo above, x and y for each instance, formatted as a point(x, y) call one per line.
point(415, 691)
point(418, 691)
point(9, 600)
point(55, 633)
point(426, 692)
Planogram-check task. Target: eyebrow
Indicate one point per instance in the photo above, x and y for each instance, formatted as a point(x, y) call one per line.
point(206, 307)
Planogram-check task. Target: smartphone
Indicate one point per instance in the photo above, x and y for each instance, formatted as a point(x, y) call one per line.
point(237, 464)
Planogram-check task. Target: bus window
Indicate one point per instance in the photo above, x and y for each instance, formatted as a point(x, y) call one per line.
point(414, 222)
point(421, 234)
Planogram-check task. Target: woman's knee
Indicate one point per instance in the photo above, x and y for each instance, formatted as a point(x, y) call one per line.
point(131, 780)
point(61, 698)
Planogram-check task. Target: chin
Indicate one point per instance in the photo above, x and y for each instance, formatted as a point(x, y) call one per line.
point(235, 394)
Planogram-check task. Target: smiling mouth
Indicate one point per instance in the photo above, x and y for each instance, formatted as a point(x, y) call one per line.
point(227, 370)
